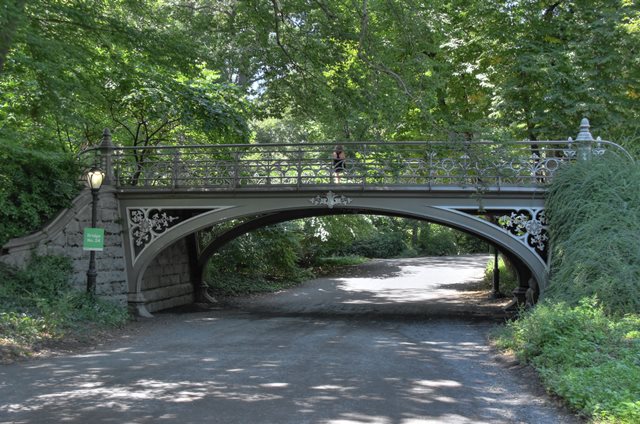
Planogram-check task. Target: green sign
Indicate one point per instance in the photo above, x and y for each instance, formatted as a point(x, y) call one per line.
point(93, 239)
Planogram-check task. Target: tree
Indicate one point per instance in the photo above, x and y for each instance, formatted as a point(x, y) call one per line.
point(551, 63)
point(109, 50)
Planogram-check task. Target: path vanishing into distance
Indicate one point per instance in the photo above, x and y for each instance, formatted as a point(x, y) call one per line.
point(399, 341)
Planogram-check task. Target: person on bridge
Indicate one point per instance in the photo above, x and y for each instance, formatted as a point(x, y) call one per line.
point(338, 162)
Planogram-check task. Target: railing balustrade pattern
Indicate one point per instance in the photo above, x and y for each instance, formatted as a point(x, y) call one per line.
point(371, 165)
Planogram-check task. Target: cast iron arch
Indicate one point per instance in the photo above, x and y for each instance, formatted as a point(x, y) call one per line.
point(522, 270)
point(529, 265)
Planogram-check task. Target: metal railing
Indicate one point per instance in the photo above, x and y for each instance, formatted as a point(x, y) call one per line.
point(420, 165)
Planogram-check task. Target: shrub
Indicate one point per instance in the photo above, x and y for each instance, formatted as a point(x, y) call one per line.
point(380, 245)
point(437, 240)
point(37, 303)
point(594, 213)
point(329, 265)
point(588, 358)
point(508, 278)
point(588, 351)
point(34, 186)
point(338, 261)
point(262, 261)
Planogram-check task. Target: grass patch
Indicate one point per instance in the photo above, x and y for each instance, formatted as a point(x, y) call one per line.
point(583, 355)
point(38, 306)
point(248, 281)
point(240, 284)
point(329, 264)
point(336, 261)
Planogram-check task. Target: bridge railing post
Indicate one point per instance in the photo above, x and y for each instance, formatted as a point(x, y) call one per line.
point(236, 171)
point(175, 174)
point(106, 156)
point(364, 170)
point(584, 141)
point(299, 168)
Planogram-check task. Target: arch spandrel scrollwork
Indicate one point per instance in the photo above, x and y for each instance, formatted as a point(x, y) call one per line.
point(146, 224)
point(526, 225)
point(530, 226)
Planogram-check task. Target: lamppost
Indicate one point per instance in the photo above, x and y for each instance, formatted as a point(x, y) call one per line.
point(95, 176)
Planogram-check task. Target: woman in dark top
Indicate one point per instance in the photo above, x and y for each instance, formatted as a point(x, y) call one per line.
point(338, 162)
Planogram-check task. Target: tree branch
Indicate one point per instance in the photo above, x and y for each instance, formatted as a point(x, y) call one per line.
point(122, 124)
point(277, 17)
point(329, 14)
point(548, 11)
point(362, 53)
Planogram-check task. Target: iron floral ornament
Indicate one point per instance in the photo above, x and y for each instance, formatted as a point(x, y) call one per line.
point(330, 199)
point(145, 224)
point(528, 225)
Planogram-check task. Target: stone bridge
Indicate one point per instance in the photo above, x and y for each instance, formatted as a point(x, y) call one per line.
point(162, 207)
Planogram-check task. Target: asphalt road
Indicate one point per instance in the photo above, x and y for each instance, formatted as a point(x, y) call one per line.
point(389, 342)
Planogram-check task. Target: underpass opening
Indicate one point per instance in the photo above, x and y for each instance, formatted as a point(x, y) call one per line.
point(259, 212)
point(409, 291)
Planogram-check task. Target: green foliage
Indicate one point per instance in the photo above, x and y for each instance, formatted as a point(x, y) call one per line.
point(436, 240)
point(338, 261)
point(333, 235)
point(46, 278)
point(278, 256)
point(34, 186)
point(394, 70)
point(586, 350)
point(264, 260)
point(588, 358)
point(21, 327)
point(380, 245)
point(134, 67)
point(165, 109)
point(331, 265)
point(594, 215)
point(38, 304)
point(286, 130)
point(227, 284)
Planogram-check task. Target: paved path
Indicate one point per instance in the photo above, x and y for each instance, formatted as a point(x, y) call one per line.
point(334, 351)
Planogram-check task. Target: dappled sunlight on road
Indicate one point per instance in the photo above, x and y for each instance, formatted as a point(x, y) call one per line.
point(240, 366)
point(413, 283)
point(323, 371)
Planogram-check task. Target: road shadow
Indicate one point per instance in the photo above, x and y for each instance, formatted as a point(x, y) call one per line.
point(224, 367)
point(344, 350)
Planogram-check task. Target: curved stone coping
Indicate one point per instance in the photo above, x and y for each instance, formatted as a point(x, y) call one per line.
point(55, 226)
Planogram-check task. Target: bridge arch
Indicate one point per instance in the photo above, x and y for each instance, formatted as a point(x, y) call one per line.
point(459, 213)
point(522, 270)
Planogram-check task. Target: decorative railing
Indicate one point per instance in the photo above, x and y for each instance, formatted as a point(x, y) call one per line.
point(422, 165)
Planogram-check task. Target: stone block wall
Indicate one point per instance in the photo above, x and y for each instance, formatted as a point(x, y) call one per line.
point(167, 281)
point(64, 236)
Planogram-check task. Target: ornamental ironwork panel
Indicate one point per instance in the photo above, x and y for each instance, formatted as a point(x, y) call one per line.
point(461, 164)
point(530, 226)
point(330, 199)
point(146, 224)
